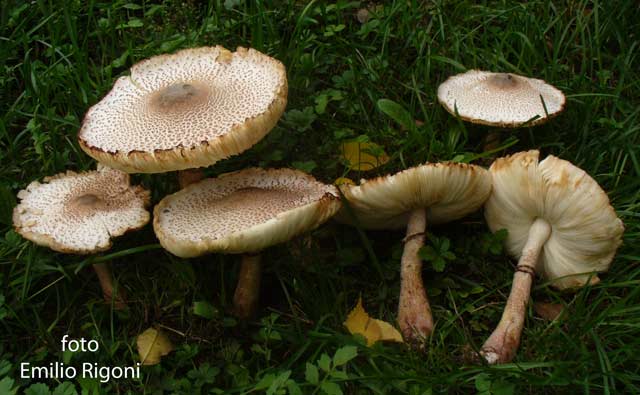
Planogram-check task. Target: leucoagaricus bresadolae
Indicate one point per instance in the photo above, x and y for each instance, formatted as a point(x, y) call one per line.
point(79, 213)
point(502, 100)
point(186, 110)
point(432, 193)
point(243, 212)
point(560, 225)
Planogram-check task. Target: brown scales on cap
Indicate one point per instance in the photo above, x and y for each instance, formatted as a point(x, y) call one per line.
point(243, 212)
point(500, 99)
point(79, 213)
point(186, 110)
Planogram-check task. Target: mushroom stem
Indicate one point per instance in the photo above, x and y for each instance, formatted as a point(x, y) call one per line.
point(103, 271)
point(503, 343)
point(190, 176)
point(414, 312)
point(245, 299)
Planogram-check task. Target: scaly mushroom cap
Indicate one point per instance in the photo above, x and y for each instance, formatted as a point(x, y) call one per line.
point(186, 110)
point(585, 230)
point(243, 211)
point(500, 99)
point(447, 190)
point(79, 213)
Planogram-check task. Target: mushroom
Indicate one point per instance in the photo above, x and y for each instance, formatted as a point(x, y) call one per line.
point(243, 212)
point(433, 193)
point(560, 224)
point(186, 110)
point(500, 99)
point(79, 213)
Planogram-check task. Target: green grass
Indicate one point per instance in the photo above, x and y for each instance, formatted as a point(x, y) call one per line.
point(56, 61)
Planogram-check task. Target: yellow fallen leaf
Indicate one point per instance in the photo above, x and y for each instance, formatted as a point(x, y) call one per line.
point(359, 322)
point(152, 346)
point(343, 181)
point(359, 156)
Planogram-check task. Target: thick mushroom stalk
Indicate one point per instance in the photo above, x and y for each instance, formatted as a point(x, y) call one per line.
point(103, 271)
point(245, 298)
point(554, 204)
point(414, 312)
point(503, 343)
point(444, 191)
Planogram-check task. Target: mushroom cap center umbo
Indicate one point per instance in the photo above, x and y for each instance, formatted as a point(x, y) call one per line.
point(179, 97)
point(86, 203)
point(504, 81)
point(88, 199)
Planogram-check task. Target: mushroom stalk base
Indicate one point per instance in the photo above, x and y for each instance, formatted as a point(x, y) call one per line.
point(245, 299)
point(103, 271)
point(503, 343)
point(414, 312)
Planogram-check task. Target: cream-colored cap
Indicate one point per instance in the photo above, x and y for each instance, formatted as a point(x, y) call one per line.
point(447, 190)
point(186, 110)
point(585, 230)
point(243, 211)
point(79, 213)
point(500, 99)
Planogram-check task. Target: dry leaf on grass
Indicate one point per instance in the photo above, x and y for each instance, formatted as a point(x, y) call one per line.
point(359, 322)
point(363, 156)
point(152, 346)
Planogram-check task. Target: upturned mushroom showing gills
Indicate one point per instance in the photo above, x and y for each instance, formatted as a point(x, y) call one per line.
point(79, 213)
point(500, 99)
point(432, 193)
point(243, 212)
point(186, 110)
point(560, 225)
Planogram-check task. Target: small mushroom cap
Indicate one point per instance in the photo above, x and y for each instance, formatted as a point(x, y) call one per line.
point(241, 212)
point(186, 110)
point(585, 230)
point(447, 190)
point(79, 213)
point(500, 99)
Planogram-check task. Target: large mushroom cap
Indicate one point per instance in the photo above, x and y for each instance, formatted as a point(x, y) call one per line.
point(185, 110)
point(80, 212)
point(585, 230)
point(447, 190)
point(244, 211)
point(500, 99)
